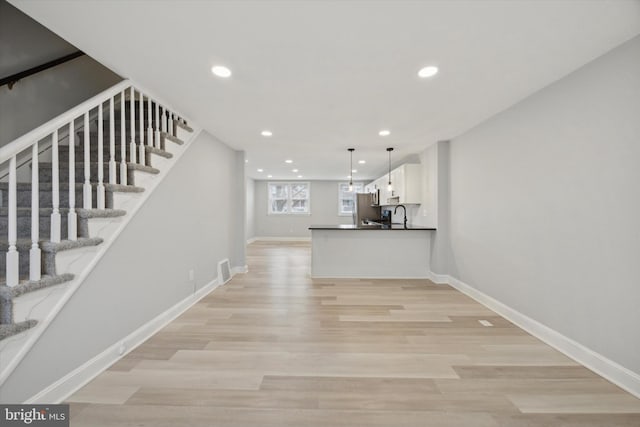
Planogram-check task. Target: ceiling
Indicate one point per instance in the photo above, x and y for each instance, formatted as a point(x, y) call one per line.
point(325, 76)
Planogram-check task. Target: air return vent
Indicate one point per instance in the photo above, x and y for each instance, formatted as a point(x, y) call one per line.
point(224, 271)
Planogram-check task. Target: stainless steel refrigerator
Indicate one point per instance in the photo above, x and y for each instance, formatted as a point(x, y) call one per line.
point(365, 208)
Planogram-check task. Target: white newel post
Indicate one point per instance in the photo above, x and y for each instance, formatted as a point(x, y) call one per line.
point(141, 152)
point(132, 116)
point(149, 123)
point(100, 187)
point(13, 265)
point(123, 141)
point(112, 143)
point(72, 217)
point(157, 126)
point(34, 252)
point(56, 224)
point(87, 195)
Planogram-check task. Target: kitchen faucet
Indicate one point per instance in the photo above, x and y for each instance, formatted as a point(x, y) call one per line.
point(405, 213)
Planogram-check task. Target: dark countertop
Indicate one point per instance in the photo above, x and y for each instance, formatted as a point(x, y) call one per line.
point(369, 227)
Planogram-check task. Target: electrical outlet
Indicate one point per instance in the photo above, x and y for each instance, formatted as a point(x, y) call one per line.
point(192, 275)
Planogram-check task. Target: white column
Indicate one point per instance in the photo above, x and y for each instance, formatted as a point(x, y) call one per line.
point(56, 224)
point(87, 195)
point(72, 217)
point(112, 144)
point(100, 187)
point(13, 265)
point(132, 113)
point(123, 141)
point(34, 252)
point(141, 151)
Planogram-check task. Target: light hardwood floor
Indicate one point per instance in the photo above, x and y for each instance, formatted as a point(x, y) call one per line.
point(275, 348)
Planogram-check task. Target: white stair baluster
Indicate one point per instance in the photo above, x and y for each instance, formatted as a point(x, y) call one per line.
point(132, 113)
point(149, 123)
point(56, 223)
point(87, 195)
point(35, 253)
point(172, 127)
point(157, 126)
point(112, 144)
point(13, 265)
point(72, 217)
point(163, 121)
point(100, 187)
point(141, 152)
point(123, 141)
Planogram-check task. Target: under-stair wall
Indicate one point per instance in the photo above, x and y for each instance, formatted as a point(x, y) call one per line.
point(188, 223)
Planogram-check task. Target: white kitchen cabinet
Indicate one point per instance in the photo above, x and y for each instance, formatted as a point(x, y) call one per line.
point(406, 183)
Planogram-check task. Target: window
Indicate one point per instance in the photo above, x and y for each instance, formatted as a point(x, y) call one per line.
point(289, 198)
point(346, 197)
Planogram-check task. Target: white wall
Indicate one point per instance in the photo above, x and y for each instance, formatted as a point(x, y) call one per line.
point(545, 206)
point(250, 194)
point(182, 226)
point(324, 210)
point(34, 100)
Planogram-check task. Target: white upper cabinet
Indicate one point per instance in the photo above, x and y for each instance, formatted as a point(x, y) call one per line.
point(406, 183)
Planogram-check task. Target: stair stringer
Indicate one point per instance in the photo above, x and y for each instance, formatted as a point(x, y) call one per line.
point(50, 301)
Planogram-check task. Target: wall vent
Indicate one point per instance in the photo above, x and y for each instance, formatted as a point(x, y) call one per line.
point(224, 271)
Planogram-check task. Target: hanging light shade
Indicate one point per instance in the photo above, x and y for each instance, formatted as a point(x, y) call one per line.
point(389, 150)
point(351, 150)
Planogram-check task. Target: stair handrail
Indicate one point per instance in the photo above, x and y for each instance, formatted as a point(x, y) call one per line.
point(16, 77)
point(25, 141)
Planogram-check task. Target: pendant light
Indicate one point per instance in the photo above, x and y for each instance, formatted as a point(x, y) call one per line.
point(351, 169)
point(389, 150)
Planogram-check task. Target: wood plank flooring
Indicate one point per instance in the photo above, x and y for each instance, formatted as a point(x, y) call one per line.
point(275, 348)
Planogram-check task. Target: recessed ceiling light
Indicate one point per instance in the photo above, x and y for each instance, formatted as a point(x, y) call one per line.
point(294, 170)
point(429, 71)
point(269, 176)
point(384, 132)
point(348, 176)
point(354, 170)
point(246, 160)
point(221, 71)
point(299, 176)
point(362, 162)
point(288, 161)
point(260, 170)
point(266, 133)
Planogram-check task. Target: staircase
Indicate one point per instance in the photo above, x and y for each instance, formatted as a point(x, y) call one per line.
point(65, 189)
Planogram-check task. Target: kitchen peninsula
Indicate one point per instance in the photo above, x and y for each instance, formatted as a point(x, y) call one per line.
point(370, 251)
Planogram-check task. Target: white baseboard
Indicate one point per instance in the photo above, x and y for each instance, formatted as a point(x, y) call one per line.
point(79, 377)
point(612, 371)
point(282, 239)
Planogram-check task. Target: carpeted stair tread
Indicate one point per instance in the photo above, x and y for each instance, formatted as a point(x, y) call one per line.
point(82, 213)
point(26, 286)
point(100, 213)
point(15, 328)
point(47, 186)
point(159, 152)
point(23, 245)
point(184, 126)
point(171, 138)
point(65, 245)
